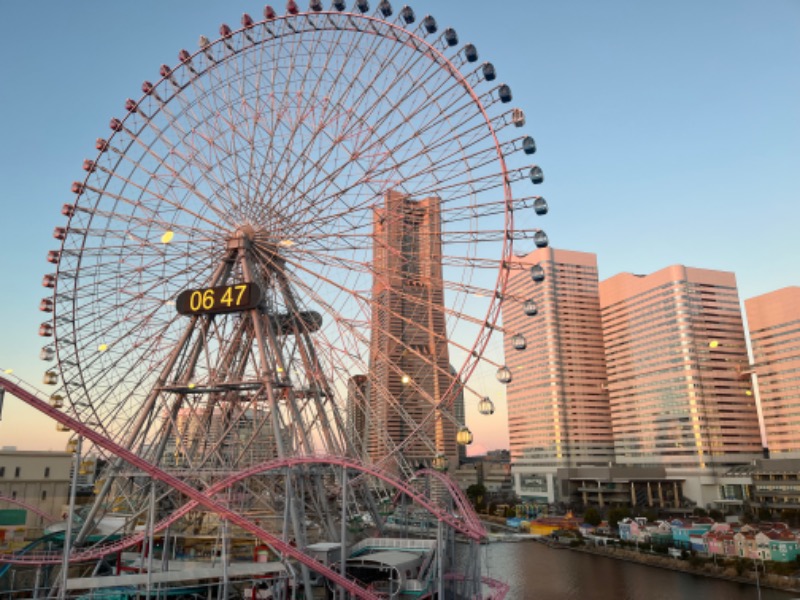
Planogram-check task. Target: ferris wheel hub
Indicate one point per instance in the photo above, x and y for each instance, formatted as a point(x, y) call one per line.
point(243, 237)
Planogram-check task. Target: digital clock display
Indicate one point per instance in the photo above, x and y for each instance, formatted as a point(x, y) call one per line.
point(222, 299)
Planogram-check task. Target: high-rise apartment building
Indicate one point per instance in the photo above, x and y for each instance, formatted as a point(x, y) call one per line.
point(558, 412)
point(675, 348)
point(774, 323)
point(409, 363)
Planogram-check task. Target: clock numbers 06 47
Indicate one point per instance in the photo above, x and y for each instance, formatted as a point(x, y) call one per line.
point(226, 298)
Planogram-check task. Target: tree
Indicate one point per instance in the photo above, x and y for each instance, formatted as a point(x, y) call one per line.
point(789, 516)
point(615, 515)
point(476, 493)
point(592, 516)
point(764, 514)
point(716, 514)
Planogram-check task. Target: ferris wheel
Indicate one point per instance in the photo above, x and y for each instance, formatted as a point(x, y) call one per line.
point(294, 242)
point(353, 170)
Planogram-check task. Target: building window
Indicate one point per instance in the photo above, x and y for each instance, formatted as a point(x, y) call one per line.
point(2, 471)
point(17, 471)
point(47, 471)
point(13, 495)
point(44, 494)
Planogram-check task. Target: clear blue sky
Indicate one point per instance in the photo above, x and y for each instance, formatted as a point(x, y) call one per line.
point(669, 132)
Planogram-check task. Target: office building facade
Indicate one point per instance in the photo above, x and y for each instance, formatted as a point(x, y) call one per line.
point(774, 323)
point(409, 372)
point(558, 411)
point(675, 346)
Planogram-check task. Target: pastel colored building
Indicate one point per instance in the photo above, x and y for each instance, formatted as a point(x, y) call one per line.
point(660, 533)
point(685, 533)
point(558, 413)
point(783, 545)
point(746, 542)
point(673, 339)
point(774, 324)
point(720, 542)
point(633, 530)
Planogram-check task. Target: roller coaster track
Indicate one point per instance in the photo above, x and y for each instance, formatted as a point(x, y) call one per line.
point(203, 500)
point(466, 522)
point(34, 509)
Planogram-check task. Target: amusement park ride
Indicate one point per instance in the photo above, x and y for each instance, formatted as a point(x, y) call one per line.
point(213, 299)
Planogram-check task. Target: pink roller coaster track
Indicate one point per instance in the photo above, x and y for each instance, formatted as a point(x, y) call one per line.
point(466, 522)
point(34, 509)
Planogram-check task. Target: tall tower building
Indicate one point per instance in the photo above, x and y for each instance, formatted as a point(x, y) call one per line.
point(674, 347)
point(409, 362)
point(558, 412)
point(774, 323)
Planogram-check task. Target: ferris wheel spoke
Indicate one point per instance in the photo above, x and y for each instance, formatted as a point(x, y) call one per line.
point(404, 318)
point(162, 161)
point(417, 109)
point(170, 150)
point(360, 98)
point(262, 63)
point(185, 152)
point(284, 115)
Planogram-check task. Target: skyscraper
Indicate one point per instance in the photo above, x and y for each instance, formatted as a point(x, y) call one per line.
point(774, 323)
point(558, 412)
point(675, 345)
point(409, 361)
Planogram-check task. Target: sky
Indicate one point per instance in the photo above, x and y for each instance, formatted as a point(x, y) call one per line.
point(669, 133)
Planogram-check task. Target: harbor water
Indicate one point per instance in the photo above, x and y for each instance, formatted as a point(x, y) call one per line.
point(536, 572)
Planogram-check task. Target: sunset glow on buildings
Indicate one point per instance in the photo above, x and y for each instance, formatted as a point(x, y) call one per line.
point(774, 323)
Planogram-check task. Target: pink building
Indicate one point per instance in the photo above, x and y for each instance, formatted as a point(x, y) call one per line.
point(675, 346)
point(746, 542)
point(774, 323)
point(558, 414)
point(720, 540)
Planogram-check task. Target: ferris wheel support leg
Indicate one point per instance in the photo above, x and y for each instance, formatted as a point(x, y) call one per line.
point(293, 499)
point(88, 524)
point(76, 462)
point(266, 369)
point(310, 362)
point(343, 551)
point(150, 534)
point(37, 581)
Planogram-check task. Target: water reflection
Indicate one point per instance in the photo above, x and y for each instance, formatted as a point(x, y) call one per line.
point(536, 572)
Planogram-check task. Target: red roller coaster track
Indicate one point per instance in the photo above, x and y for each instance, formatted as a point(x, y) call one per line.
point(34, 509)
point(466, 522)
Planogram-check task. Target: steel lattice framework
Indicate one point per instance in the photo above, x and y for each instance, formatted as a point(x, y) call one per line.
point(217, 296)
